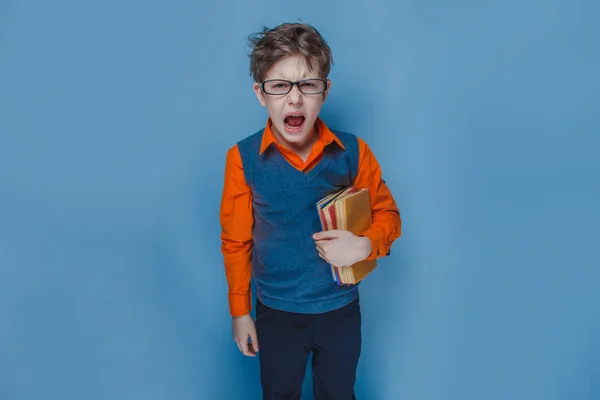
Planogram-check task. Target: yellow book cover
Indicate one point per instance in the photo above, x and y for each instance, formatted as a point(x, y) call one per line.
point(353, 213)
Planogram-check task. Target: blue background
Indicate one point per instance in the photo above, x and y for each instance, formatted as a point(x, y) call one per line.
point(115, 118)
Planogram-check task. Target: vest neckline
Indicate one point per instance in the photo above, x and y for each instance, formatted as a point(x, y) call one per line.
point(306, 177)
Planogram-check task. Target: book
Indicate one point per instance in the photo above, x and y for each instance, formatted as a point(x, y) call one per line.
point(348, 209)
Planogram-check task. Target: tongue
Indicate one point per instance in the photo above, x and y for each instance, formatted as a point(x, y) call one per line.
point(294, 121)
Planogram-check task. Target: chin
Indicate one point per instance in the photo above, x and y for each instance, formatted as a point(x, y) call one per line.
point(295, 137)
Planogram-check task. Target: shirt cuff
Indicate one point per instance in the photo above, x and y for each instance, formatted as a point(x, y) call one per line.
point(240, 304)
point(378, 248)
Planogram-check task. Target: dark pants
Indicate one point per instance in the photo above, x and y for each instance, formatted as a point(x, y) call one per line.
point(286, 340)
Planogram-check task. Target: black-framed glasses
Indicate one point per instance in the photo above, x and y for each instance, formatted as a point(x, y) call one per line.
point(306, 86)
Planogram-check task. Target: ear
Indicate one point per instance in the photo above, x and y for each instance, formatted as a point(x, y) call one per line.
point(327, 90)
point(259, 94)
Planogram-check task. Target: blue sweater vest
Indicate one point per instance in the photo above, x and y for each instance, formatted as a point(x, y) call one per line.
point(286, 267)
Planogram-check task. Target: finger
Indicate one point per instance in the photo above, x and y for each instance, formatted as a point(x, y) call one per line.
point(251, 351)
point(324, 235)
point(244, 347)
point(254, 340)
point(320, 245)
point(321, 251)
point(322, 255)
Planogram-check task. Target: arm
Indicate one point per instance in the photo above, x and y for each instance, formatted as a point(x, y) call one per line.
point(387, 224)
point(236, 234)
point(236, 237)
point(339, 247)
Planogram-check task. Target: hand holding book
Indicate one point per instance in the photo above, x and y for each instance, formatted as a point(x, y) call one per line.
point(340, 247)
point(345, 215)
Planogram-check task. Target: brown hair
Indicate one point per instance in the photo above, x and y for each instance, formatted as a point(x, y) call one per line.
point(289, 39)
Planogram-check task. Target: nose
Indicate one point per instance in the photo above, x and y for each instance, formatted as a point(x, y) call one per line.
point(295, 95)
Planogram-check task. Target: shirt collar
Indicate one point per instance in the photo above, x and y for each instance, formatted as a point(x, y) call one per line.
point(326, 136)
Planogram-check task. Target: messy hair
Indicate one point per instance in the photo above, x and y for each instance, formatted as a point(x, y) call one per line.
point(289, 39)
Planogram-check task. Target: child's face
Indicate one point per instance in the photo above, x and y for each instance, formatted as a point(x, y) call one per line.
point(298, 131)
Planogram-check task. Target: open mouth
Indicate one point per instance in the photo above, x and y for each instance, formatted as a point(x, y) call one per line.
point(294, 122)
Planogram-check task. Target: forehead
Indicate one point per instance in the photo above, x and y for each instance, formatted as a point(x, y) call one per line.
point(293, 68)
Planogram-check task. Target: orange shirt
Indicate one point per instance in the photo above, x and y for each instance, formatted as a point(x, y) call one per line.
point(237, 218)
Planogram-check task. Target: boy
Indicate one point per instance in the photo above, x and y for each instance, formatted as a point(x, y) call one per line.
point(270, 226)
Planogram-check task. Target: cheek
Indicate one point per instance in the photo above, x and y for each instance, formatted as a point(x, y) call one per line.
point(314, 105)
point(274, 107)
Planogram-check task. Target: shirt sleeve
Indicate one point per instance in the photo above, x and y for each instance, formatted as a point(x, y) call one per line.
point(236, 234)
point(387, 224)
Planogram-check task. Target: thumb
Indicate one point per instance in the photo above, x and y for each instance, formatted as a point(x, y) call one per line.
point(333, 234)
